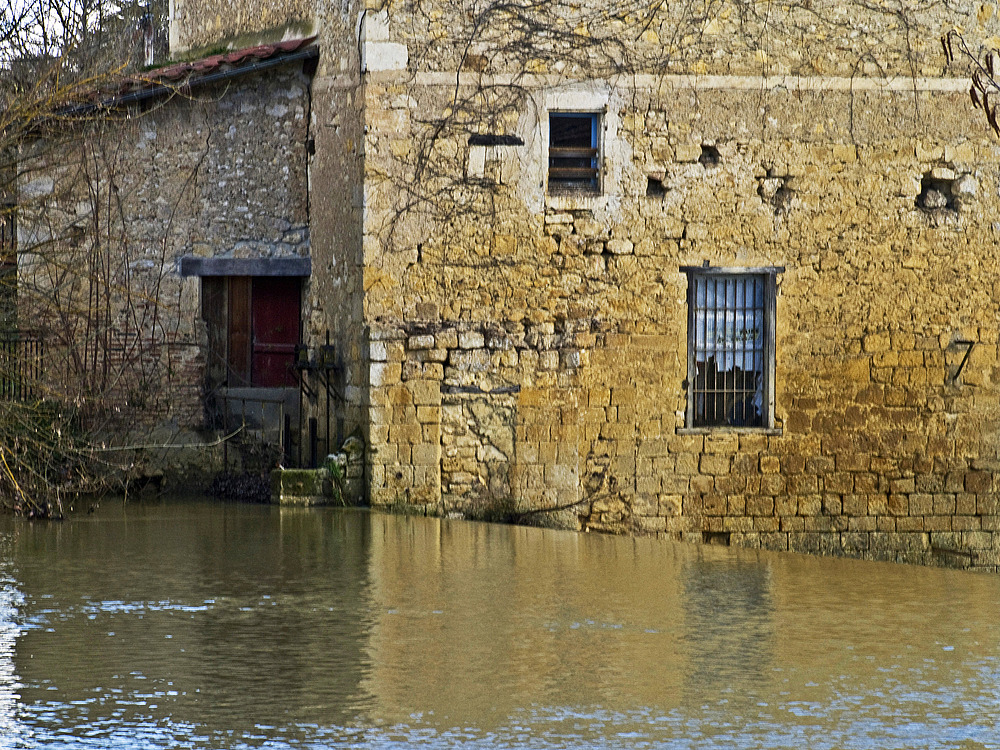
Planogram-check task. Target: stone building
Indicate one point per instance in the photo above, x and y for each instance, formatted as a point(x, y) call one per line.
point(722, 274)
point(153, 233)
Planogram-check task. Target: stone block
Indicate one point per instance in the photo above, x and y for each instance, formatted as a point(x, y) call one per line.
point(943, 504)
point(800, 484)
point(651, 524)
point(885, 523)
point(976, 540)
point(978, 482)
point(686, 463)
point(937, 523)
point(921, 504)
point(792, 464)
point(405, 433)
point(722, 443)
point(425, 392)
point(446, 339)
point(772, 484)
point(862, 523)
point(670, 505)
point(471, 340)
point(737, 523)
point(766, 523)
point(841, 482)
point(910, 523)
point(791, 523)
point(814, 543)
point(713, 464)
point(966, 523)
point(854, 505)
point(687, 152)
point(786, 505)
point(810, 505)
point(854, 543)
point(876, 342)
point(471, 360)
point(965, 504)
point(426, 454)
point(384, 373)
point(425, 341)
point(714, 505)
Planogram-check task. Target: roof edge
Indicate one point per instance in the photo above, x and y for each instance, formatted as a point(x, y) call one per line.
point(185, 77)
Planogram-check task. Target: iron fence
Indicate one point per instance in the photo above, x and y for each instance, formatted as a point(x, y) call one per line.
point(20, 366)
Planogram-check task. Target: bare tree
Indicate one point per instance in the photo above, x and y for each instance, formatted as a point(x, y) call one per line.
point(76, 296)
point(985, 66)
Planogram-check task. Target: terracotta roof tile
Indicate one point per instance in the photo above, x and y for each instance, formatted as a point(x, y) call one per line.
point(180, 71)
point(182, 75)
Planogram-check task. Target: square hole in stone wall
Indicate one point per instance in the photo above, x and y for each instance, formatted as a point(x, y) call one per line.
point(937, 193)
point(655, 187)
point(710, 156)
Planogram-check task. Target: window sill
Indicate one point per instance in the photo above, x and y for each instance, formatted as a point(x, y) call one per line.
point(569, 201)
point(777, 431)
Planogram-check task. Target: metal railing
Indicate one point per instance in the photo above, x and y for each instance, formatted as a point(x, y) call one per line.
point(260, 419)
point(21, 359)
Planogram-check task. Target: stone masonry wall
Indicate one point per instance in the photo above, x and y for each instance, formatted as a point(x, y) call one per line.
point(221, 175)
point(526, 352)
point(529, 351)
point(204, 24)
point(338, 200)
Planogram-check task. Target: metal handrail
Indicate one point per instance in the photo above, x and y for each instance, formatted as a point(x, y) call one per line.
point(258, 402)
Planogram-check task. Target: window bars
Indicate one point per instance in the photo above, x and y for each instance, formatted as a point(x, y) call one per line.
point(574, 153)
point(730, 347)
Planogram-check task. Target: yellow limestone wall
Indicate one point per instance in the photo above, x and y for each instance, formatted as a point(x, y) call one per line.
point(515, 352)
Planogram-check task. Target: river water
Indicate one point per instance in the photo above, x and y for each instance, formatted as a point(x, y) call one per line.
point(197, 624)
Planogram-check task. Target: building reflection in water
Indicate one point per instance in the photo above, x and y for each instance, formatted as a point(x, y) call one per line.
point(11, 600)
point(209, 620)
point(477, 621)
point(729, 624)
point(239, 626)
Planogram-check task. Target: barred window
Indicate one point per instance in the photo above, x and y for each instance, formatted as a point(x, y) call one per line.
point(574, 152)
point(730, 347)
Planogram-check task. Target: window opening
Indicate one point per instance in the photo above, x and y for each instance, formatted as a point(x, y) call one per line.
point(730, 347)
point(936, 194)
point(8, 268)
point(655, 187)
point(574, 152)
point(710, 156)
point(253, 329)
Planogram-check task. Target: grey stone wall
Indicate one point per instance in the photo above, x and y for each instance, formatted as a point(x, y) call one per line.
point(108, 210)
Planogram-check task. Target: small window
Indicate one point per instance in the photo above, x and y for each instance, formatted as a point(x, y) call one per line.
point(8, 235)
point(730, 347)
point(574, 153)
point(8, 269)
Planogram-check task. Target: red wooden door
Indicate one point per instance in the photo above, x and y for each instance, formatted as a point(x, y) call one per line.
point(275, 314)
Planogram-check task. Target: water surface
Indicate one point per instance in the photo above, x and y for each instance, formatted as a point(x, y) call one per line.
point(196, 624)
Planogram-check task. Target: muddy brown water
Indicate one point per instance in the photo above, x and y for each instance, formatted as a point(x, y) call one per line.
point(203, 625)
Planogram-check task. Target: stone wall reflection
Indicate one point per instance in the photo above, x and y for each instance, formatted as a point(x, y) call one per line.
point(11, 600)
point(222, 620)
point(532, 609)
